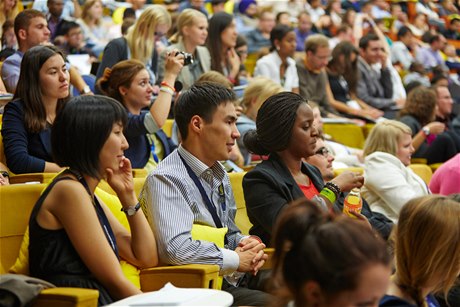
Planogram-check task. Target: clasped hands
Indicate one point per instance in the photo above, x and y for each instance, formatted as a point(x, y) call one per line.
point(251, 253)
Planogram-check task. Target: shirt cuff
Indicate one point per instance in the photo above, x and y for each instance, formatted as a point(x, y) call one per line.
point(231, 261)
point(150, 124)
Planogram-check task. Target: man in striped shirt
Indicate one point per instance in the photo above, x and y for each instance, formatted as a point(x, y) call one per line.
point(191, 187)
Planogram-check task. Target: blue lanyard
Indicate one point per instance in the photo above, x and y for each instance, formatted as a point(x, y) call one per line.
point(207, 201)
point(152, 148)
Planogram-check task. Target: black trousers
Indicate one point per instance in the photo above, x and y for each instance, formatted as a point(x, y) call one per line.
point(250, 291)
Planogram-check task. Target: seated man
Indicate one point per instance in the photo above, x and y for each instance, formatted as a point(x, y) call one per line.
point(191, 187)
point(375, 88)
point(323, 161)
point(259, 38)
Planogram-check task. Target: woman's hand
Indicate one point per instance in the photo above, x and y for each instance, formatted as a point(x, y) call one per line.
point(121, 179)
point(234, 61)
point(436, 127)
point(348, 180)
point(174, 62)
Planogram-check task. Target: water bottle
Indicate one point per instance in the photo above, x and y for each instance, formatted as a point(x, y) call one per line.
point(353, 202)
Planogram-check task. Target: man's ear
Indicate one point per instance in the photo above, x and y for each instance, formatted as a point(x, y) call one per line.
point(196, 124)
point(313, 294)
point(22, 33)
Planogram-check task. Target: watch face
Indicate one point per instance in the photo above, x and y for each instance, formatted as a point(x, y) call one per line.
point(131, 211)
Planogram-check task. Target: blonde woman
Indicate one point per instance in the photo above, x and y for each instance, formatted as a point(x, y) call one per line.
point(258, 90)
point(192, 31)
point(427, 252)
point(8, 11)
point(389, 182)
point(139, 43)
point(94, 27)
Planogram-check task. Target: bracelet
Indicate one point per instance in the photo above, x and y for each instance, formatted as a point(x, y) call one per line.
point(166, 90)
point(256, 238)
point(167, 85)
point(333, 187)
point(331, 196)
point(231, 79)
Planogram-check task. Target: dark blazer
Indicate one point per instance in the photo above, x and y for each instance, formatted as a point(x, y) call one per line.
point(25, 152)
point(270, 187)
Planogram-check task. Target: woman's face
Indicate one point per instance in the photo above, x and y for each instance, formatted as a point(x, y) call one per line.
point(302, 143)
point(8, 5)
point(112, 153)
point(197, 33)
point(405, 149)
point(372, 285)
point(161, 30)
point(96, 10)
point(229, 35)
point(139, 93)
point(287, 45)
point(54, 78)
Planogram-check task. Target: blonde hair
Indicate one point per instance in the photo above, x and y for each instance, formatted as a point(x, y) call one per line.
point(85, 11)
point(260, 88)
point(11, 15)
point(186, 18)
point(427, 240)
point(385, 137)
point(140, 37)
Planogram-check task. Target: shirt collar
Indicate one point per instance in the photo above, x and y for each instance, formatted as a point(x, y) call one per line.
point(199, 168)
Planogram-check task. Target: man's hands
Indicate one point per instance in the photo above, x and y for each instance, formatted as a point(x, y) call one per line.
point(251, 254)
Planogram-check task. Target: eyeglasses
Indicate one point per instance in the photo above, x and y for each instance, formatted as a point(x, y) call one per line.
point(323, 151)
point(4, 174)
point(159, 34)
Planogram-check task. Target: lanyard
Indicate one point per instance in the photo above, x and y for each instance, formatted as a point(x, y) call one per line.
point(206, 199)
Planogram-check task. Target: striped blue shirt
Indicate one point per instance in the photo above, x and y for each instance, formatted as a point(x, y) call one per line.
point(172, 204)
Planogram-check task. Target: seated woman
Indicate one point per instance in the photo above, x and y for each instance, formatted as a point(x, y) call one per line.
point(279, 65)
point(192, 31)
point(427, 252)
point(42, 91)
point(285, 132)
point(390, 183)
point(321, 260)
point(342, 71)
point(258, 90)
point(429, 138)
point(75, 241)
point(129, 83)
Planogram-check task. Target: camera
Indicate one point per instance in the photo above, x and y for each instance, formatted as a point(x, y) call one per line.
point(188, 57)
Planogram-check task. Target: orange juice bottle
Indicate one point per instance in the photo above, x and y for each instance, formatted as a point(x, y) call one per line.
point(353, 202)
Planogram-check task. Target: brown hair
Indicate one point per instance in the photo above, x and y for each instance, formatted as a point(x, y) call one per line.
point(427, 245)
point(314, 246)
point(121, 74)
point(421, 104)
point(22, 20)
point(85, 11)
point(385, 136)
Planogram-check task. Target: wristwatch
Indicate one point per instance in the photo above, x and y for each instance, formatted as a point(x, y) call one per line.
point(426, 130)
point(85, 90)
point(131, 210)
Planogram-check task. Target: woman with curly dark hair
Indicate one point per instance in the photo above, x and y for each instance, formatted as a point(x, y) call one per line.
point(429, 138)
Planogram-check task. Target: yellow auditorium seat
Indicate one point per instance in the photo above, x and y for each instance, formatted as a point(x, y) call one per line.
point(423, 171)
point(16, 202)
point(339, 171)
point(168, 127)
point(347, 134)
point(13, 225)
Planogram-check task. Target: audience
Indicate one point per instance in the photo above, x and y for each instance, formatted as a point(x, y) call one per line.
point(129, 83)
point(246, 19)
point(4, 175)
point(75, 241)
point(287, 134)
point(221, 44)
point(303, 30)
point(430, 141)
point(55, 19)
point(401, 49)
point(427, 252)
point(192, 31)
point(323, 260)
point(43, 89)
point(279, 65)
point(389, 182)
point(187, 184)
point(430, 56)
point(138, 44)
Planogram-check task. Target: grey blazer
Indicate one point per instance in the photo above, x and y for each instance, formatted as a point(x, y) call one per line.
point(185, 76)
point(377, 92)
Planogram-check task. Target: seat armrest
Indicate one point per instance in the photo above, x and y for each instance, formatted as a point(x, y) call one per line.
point(269, 263)
point(183, 276)
point(67, 297)
point(32, 177)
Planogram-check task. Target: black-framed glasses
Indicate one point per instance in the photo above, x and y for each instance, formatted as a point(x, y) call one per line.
point(4, 173)
point(323, 151)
